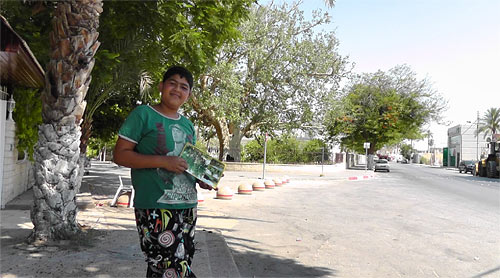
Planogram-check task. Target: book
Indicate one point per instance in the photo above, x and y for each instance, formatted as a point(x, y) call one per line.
point(202, 166)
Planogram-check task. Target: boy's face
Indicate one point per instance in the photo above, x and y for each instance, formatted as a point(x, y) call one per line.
point(174, 91)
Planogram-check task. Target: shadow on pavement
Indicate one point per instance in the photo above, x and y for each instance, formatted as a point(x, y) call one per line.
point(254, 262)
point(110, 253)
point(258, 264)
point(357, 167)
point(102, 183)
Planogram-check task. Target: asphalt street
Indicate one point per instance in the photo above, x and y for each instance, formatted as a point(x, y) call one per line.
point(412, 222)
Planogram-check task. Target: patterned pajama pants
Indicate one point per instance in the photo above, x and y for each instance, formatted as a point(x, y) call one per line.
point(167, 240)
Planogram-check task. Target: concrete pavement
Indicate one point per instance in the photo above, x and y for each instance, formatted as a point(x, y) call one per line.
point(110, 248)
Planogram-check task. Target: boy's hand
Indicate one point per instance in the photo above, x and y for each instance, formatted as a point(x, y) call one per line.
point(175, 164)
point(204, 185)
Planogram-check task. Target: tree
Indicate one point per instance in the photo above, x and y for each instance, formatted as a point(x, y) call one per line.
point(330, 3)
point(315, 151)
point(279, 73)
point(490, 122)
point(143, 39)
point(407, 150)
point(139, 41)
point(73, 42)
point(383, 108)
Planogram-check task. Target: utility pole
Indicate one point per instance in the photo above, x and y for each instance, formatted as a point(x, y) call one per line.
point(322, 159)
point(477, 137)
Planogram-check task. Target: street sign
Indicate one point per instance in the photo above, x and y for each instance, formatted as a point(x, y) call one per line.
point(366, 145)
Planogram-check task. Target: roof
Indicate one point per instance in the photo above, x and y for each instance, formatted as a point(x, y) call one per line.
point(18, 65)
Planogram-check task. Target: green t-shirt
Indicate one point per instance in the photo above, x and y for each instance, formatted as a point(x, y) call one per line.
point(154, 133)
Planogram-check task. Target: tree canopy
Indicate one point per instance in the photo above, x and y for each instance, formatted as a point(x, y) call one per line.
point(383, 108)
point(139, 40)
point(278, 75)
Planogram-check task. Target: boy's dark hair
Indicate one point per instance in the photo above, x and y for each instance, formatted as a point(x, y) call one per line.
point(183, 72)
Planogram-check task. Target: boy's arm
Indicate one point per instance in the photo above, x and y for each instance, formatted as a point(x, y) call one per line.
point(125, 155)
point(204, 185)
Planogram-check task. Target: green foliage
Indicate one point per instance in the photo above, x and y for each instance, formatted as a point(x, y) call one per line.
point(313, 150)
point(253, 151)
point(27, 115)
point(32, 21)
point(407, 150)
point(201, 146)
point(490, 122)
point(139, 40)
point(96, 145)
point(424, 160)
point(285, 149)
point(383, 109)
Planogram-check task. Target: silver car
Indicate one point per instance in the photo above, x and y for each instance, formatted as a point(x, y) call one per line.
point(382, 165)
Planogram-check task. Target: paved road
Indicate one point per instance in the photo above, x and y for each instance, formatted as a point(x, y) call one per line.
point(411, 222)
point(452, 183)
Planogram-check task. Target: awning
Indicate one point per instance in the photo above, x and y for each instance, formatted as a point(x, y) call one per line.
point(18, 65)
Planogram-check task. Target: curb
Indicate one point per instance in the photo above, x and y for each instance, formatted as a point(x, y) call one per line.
point(364, 177)
point(213, 257)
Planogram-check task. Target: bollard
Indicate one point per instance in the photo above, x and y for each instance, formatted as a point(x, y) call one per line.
point(245, 188)
point(278, 182)
point(258, 186)
point(224, 193)
point(287, 179)
point(269, 184)
point(201, 199)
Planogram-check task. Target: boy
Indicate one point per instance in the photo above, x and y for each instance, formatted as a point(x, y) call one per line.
point(150, 141)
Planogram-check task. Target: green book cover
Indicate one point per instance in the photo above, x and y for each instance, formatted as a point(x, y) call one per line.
point(202, 166)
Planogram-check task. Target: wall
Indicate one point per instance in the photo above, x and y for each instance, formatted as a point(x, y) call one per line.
point(464, 145)
point(283, 168)
point(17, 174)
point(3, 110)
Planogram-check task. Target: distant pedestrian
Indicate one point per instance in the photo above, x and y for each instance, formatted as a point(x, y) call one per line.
point(150, 141)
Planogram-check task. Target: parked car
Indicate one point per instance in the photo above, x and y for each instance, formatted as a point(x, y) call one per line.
point(382, 165)
point(402, 160)
point(466, 166)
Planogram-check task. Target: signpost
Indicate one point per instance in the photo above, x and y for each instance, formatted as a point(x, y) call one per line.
point(366, 145)
point(265, 151)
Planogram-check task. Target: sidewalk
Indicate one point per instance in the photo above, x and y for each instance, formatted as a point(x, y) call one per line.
point(110, 248)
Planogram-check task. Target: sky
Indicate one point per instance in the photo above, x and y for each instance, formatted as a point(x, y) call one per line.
point(455, 44)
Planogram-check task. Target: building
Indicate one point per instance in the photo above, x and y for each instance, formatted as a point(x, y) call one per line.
point(19, 68)
point(463, 144)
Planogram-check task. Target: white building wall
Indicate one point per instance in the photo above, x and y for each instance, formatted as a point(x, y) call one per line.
point(462, 141)
point(472, 147)
point(17, 174)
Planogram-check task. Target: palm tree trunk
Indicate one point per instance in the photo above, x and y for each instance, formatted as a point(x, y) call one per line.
point(73, 43)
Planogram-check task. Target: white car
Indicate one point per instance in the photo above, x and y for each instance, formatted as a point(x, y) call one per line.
point(382, 165)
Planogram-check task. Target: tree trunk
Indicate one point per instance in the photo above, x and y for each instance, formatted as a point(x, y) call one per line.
point(220, 137)
point(73, 43)
point(86, 132)
point(235, 144)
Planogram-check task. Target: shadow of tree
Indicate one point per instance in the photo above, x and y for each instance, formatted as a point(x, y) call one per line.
point(102, 183)
point(109, 253)
point(253, 263)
